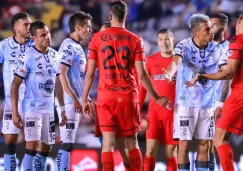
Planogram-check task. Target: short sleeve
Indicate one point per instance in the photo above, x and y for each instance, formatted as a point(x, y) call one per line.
point(22, 67)
point(92, 50)
point(58, 64)
point(139, 51)
point(1, 52)
point(148, 66)
point(234, 52)
point(223, 57)
point(67, 55)
point(180, 49)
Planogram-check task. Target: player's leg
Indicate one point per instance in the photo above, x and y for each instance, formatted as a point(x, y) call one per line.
point(202, 159)
point(32, 131)
point(186, 118)
point(170, 145)
point(153, 133)
point(212, 159)
point(224, 150)
point(67, 137)
point(10, 133)
point(124, 152)
point(129, 112)
point(107, 122)
point(47, 138)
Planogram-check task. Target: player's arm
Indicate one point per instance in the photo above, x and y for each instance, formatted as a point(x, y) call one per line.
point(14, 100)
point(60, 97)
point(89, 79)
point(142, 89)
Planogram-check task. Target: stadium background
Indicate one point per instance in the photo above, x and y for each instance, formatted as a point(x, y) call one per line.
point(145, 18)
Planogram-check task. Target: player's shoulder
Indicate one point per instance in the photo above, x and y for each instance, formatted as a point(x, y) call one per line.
point(237, 41)
point(52, 52)
point(7, 41)
point(214, 46)
point(185, 43)
point(154, 56)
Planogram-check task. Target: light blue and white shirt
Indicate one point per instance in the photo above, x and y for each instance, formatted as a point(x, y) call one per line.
point(220, 84)
point(73, 56)
point(196, 60)
point(10, 52)
point(39, 72)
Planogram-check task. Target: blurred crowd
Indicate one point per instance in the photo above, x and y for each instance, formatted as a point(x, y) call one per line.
point(145, 18)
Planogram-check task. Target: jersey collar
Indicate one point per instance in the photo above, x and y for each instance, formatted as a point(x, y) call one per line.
point(40, 51)
point(197, 45)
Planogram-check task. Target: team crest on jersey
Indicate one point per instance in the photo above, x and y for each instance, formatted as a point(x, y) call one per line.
point(48, 86)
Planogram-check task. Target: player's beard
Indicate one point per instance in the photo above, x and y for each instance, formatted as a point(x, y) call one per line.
point(217, 35)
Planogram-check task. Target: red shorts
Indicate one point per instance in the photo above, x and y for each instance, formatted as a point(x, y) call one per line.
point(161, 130)
point(120, 117)
point(232, 115)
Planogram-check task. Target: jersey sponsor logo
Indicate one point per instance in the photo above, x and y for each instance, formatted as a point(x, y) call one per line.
point(117, 76)
point(48, 86)
point(22, 71)
point(39, 73)
point(67, 52)
point(69, 134)
point(107, 37)
point(21, 62)
point(30, 124)
point(12, 62)
point(118, 88)
point(70, 126)
point(183, 131)
point(47, 59)
point(49, 65)
point(184, 123)
point(22, 49)
point(37, 58)
point(159, 77)
point(69, 61)
point(39, 66)
point(230, 53)
point(15, 47)
point(13, 54)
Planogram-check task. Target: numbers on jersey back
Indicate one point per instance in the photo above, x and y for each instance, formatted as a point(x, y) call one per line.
point(125, 57)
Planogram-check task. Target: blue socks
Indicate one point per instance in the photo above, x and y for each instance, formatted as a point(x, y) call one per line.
point(40, 161)
point(63, 160)
point(9, 162)
point(212, 161)
point(101, 139)
point(28, 160)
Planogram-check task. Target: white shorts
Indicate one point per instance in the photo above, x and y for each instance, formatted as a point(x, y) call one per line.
point(68, 131)
point(8, 125)
point(39, 127)
point(191, 121)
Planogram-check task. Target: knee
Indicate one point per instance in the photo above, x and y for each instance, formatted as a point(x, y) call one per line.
point(32, 145)
point(203, 147)
point(218, 138)
point(131, 142)
point(45, 148)
point(151, 151)
point(184, 145)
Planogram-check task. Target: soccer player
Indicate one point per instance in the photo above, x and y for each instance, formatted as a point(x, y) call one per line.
point(10, 50)
point(219, 23)
point(73, 62)
point(193, 106)
point(117, 52)
point(231, 119)
point(40, 69)
point(160, 120)
point(120, 140)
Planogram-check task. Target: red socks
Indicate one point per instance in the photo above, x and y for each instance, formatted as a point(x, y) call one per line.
point(136, 160)
point(226, 157)
point(171, 164)
point(108, 163)
point(149, 163)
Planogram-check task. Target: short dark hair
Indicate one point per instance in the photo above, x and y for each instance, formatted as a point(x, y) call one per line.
point(164, 30)
point(18, 16)
point(36, 25)
point(221, 16)
point(78, 18)
point(119, 9)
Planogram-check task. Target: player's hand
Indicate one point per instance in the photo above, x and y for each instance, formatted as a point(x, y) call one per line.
point(167, 75)
point(17, 121)
point(86, 109)
point(64, 118)
point(77, 105)
point(193, 81)
point(217, 113)
point(164, 102)
point(93, 111)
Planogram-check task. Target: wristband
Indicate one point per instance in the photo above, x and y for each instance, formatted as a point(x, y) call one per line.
point(62, 108)
point(219, 104)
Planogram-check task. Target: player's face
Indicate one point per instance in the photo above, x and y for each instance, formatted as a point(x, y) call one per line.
point(85, 30)
point(239, 25)
point(217, 28)
point(165, 42)
point(22, 27)
point(205, 32)
point(43, 37)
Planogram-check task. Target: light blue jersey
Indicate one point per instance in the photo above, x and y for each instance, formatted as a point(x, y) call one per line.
point(196, 60)
point(10, 51)
point(72, 55)
point(39, 72)
point(220, 84)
